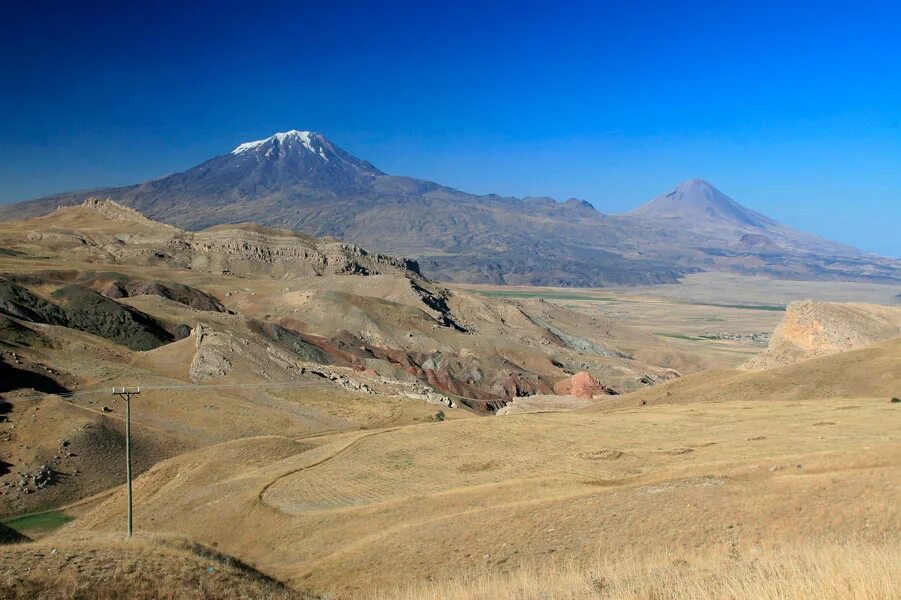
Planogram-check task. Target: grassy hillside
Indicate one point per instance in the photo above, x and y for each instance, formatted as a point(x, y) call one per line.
point(494, 495)
point(149, 567)
point(847, 571)
point(867, 373)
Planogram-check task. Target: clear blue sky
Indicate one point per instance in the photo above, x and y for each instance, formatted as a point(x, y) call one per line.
point(793, 108)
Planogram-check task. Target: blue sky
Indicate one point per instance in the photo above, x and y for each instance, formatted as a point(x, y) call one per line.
point(793, 109)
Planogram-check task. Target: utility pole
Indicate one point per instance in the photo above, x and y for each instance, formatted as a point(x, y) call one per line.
point(126, 395)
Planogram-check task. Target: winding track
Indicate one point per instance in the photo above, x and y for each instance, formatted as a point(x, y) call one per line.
point(336, 454)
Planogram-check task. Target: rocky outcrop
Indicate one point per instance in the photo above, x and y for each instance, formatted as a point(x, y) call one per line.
point(211, 360)
point(117, 212)
point(582, 385)
point(421, 392)
point(811, 329)
point(223, 353)
point(344, 381)
point(91, 230)
point(655, 378)
point(238, 249)
point(509, 383)
point(437, 302)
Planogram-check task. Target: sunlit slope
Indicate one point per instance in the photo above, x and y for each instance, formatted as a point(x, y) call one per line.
point(871, 372)
point(496, 493)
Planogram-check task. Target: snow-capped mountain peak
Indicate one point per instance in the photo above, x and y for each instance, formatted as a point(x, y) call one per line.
point(303, 151)
point(310, 140)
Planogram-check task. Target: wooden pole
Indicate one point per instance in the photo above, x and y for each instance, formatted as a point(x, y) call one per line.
point(126, 395)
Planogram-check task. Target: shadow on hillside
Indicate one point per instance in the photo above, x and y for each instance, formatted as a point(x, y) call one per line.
point(12, 379)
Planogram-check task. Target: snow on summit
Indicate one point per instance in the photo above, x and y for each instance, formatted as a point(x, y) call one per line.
point(307, 138)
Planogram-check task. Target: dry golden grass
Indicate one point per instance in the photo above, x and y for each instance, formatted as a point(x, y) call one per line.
point(828, 571)
point(145, 568)
point(871, 372)
point(374, 510)
point(355, 495)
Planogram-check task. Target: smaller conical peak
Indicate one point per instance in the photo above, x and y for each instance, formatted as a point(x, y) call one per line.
point(698, 200)
point(311, 140)
point(692, 194)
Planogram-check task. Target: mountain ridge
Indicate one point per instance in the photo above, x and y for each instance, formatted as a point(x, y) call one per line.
point(300, 180)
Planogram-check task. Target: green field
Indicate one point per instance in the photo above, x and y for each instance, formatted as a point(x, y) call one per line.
point(546, 295)
point(590, 297)
point(38, 524)
point(769, 307)
point(680, 336)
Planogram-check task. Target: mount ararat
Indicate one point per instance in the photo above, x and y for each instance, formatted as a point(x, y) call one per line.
point(302, 181)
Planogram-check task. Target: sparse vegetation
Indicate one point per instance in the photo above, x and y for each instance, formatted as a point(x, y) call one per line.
point(547, 295)
point(896, 400)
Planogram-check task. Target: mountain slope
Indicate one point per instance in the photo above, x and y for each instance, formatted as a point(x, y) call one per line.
point(300, 180)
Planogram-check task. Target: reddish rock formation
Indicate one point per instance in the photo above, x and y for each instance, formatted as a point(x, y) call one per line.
point(582, 385)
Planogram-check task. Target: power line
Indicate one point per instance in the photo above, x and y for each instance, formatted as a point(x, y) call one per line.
point(126, 394)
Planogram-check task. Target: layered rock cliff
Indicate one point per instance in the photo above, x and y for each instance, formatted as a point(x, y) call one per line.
point(811, 329)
